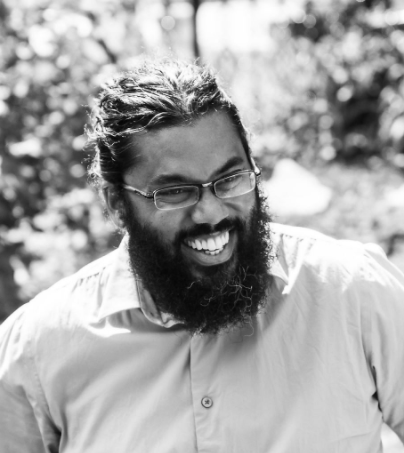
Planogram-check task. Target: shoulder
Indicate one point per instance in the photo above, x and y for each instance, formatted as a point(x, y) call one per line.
point(298, 238)
point(301, 250)
point(63, 301)
point(92, 270)
point(292, 235)
point(81, 283)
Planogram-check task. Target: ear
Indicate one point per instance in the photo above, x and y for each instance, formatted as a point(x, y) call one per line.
point(114, 204)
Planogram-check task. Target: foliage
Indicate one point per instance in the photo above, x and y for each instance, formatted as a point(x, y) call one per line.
point(330, 86)
point(358, 49)
point(54, 54)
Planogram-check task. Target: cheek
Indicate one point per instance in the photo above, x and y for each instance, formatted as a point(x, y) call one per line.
point(242, 206)
point(166, 223)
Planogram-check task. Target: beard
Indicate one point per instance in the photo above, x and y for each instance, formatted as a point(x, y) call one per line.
point(221, 297)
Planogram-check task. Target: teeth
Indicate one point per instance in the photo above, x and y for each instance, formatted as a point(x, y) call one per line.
point(212, 246)
point(219, 242)
point(214, 252)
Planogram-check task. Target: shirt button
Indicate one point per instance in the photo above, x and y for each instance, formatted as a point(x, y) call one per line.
point(207, 402)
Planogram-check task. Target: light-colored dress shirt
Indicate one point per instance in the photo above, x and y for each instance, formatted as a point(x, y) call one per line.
point(90, 366)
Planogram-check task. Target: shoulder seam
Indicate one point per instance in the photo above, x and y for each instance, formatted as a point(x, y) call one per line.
point(79, 276)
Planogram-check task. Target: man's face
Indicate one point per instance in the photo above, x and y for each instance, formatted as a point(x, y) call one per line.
point(206, 264)
point(205, 151)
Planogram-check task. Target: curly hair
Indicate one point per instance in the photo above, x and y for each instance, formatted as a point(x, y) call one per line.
point(155, 95)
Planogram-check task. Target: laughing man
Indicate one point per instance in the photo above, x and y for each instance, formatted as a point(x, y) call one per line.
point(210, 329)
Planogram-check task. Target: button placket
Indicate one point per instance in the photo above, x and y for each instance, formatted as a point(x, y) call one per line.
point(204, 391)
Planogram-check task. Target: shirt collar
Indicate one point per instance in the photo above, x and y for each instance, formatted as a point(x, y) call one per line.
point(123, 291)
point(121, 287)
point(277, 271)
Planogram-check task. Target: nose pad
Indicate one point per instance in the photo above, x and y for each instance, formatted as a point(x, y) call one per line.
point(209, 208)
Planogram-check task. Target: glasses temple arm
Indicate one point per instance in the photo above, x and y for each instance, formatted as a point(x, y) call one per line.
point(133, 189)
point(257, 171)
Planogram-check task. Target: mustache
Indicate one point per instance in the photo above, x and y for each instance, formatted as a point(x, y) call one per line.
point(207, 228)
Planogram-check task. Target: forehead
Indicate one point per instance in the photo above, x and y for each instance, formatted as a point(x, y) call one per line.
point(193, 153)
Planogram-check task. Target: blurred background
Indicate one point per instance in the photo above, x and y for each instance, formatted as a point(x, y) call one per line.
point(320, 85)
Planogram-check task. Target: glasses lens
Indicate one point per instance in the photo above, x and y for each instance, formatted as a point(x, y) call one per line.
point(176, 197)
point(235, 185)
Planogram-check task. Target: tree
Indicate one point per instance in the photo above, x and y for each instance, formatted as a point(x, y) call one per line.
point(357, 50)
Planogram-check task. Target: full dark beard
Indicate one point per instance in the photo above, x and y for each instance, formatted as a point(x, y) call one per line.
point(227, 295)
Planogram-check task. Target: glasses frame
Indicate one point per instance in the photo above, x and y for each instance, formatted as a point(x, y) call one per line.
point(210, 184)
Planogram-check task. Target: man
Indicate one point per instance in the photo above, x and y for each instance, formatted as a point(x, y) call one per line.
point(210, 329)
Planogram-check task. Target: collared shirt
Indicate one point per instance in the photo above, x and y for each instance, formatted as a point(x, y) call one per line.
point(91, 366)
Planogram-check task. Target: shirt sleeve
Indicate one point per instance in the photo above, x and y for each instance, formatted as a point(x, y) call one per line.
point(25, 427)
point(383, 296)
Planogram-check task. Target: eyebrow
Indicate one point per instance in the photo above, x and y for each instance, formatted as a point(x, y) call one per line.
point(174, 178)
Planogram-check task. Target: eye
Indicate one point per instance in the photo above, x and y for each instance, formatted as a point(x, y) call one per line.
point(230, 181)
point(235, 185)
point(174, 194)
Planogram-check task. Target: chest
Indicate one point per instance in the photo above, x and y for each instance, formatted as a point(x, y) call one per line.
point(272, 387)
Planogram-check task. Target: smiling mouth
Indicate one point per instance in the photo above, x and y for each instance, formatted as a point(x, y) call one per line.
point(210, 245)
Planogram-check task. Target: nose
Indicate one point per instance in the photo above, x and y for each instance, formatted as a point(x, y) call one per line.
point(209, 208)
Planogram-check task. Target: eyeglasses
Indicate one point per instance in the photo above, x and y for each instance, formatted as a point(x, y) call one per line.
point(184, 195)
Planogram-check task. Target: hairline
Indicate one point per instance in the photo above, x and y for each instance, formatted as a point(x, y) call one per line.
point(181, 123)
